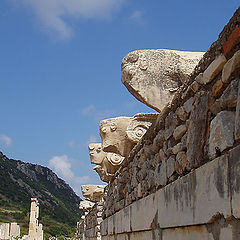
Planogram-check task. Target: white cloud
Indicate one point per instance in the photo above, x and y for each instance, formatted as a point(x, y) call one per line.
point(137, 16)
point(85, 111)
point(61, 165)
point(54, 15)
point(5, 140)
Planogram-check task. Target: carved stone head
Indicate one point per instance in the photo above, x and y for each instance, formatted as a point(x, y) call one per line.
point(93, 193)
point(107, 163)
point(114, 136)
point(96, 153)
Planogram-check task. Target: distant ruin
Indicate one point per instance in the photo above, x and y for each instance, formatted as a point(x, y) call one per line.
point(180, 178)
point(11, 231)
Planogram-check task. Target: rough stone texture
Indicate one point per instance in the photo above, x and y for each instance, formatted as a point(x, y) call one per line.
point(153, 76)
point(161, 174)
point(181, 202)
point(196, 130)
point(232, 40)
point(221, 132)
point(187, 233)
point(181, 163)
point(146, 207)
point(4, 230)
point(234, 163)
point(170, 166)
point(179, 132)
point(212, 71)
point(86, 205)
point(228, 98)
point(231, 65)
point(93, 193)
point(237, 117)
point(14, 230)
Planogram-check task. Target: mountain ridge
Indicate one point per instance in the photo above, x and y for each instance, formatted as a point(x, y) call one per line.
point(20, 181)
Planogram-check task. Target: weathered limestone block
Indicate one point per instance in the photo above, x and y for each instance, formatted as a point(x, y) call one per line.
point(231, 65)
point(153, 76)
point(142, 213)
point(181, 163)
point(119, 135)
point(221, 132)
point(161, 173)
point(212, 71)
point(4, 230)
point(107, 163)
point(237, 117)
point(14, 230)
point(234, 164)
point(179, 131)
point(93, 193)
point(170, 166)
point(202, 232)
point(228, 98)
point(197, 129)
point(86, 205)
point(197, 197)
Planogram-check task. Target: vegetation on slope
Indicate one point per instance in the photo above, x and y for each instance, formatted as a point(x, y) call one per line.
point(19, 182)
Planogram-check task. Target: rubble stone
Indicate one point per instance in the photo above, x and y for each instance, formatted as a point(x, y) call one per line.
point(179, 131)
point(221, 132)
point(212, 71)
point(231, 65)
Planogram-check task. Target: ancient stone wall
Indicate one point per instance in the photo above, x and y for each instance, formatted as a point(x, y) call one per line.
point(181, 181)
point(89, 226)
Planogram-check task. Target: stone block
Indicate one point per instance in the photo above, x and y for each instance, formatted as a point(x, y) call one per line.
point(182, 114)
point(196, 130)
point(104, 227)
point(177, 148)
point(237, 116)
point(188, 105)
point(143, 213)
point(143, 235)
point(187, 233)
point(179, 131)
point(197, 197)
point(234, 166)
point(111, 225)
point(231, 65)
point(221, 133)
point(232, 40)
point(170, 166)
point(4, 230)
point(214, 68)
point(161, 174)
point(181, 163)
point(14, 230)
point(122, 220)
point(217, 89)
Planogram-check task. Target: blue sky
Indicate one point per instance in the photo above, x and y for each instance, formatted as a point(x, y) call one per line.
point(60, 69)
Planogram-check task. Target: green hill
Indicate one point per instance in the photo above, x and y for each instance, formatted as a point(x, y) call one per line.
point(20, 181)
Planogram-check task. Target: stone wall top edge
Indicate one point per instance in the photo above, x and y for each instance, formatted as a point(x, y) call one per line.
point(214, 50)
